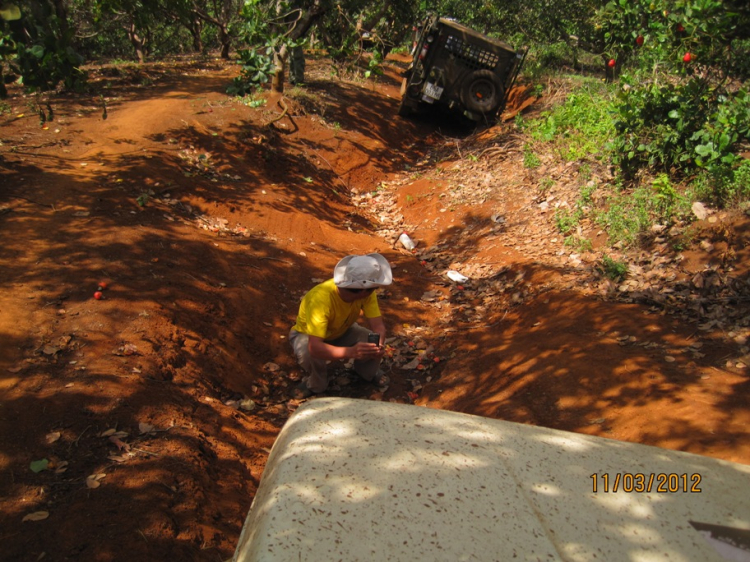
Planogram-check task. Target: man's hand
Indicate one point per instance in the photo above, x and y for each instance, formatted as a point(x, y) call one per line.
point(364, 350)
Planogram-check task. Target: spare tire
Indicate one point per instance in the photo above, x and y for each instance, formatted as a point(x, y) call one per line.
point(482, 92)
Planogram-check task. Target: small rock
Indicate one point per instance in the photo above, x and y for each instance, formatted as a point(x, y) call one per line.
point(699, 210)
point(248, 405)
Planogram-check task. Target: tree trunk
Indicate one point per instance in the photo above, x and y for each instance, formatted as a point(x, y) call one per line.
point(137, 43)
point(301, 27)
point(226, 41)
point(62, 14)
point(279, 61)
point(196, 27)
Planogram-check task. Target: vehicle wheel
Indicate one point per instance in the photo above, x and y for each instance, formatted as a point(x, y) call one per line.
point(404, 110)
point(482, 92)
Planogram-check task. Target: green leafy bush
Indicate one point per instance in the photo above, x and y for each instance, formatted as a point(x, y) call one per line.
point(530, 160)
point(257, 69)
point(37, 46)
point(613, 269)
point(567, 219)
point(680, 108)
point(581, 126)
point(679, 127)
point(631, 213)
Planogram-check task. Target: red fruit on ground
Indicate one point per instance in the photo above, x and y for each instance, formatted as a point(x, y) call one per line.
point(680, 28)
point(639, 40)
point(102, 285)
point(98, 295)
point(611, 63)
point(687, 58)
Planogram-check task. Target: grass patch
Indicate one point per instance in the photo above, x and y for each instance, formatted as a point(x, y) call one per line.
point(580, 127)
point(613, 269)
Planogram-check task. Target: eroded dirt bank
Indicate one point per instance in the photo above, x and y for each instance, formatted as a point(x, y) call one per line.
point(155, 407)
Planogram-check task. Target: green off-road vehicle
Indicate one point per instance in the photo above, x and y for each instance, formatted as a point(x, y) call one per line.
point(460, 69)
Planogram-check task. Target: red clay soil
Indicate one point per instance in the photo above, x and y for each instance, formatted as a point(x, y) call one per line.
point(137, 426)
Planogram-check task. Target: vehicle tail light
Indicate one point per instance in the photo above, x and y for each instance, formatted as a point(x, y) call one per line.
point(426, 47)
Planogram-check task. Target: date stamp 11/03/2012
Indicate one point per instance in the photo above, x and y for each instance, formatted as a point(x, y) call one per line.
point(640, 483)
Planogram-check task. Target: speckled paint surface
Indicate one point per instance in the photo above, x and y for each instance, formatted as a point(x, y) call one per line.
point(359, 480)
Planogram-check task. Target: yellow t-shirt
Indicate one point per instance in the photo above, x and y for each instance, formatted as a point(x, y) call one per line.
point(323, 314)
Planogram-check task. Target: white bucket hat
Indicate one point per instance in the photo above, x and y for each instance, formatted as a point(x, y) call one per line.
point(362, 272)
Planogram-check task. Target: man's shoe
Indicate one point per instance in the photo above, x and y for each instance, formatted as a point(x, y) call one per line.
point(381, 379)
point(301, 391)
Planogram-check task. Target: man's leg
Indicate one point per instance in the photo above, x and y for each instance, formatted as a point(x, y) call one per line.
point(367, 369)
point(297, 66)
point(316, 368)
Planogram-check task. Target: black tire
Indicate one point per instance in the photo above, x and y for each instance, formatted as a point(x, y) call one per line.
point(482, 92)
point(404, 110)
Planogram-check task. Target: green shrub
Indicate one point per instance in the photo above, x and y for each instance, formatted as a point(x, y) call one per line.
point(679, 127)
point(580, 127)
point(257, 69)
point(613, 269)
point(567, 220)
point(725, 187)
point(530, 160)
point(631, 213)
point(626, 217)
point(578, 243)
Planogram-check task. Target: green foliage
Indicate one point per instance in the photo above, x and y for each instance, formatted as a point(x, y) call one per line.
point(567, 220)
point(669, 29)
point(666, 199)
point(37, 46)
point(626, 217)
point(530, 160)
point(613, 269)
point(578, 243)
point(680, 110)
point(544, 57)
point(729, 187)
point(679, 126)
point(587, 194)
point(257, 69)
point(630, 214)
point(581, 126)
point(374, 65)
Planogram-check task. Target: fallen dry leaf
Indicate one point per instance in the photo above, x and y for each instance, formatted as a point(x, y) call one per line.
point(119, 458)
point(145, 428)
point(52, 437)
point(119, 444)
point(93, 480)
point(36, 516)
point(411, 365)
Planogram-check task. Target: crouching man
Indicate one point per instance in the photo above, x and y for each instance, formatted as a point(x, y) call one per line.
point(327, 328)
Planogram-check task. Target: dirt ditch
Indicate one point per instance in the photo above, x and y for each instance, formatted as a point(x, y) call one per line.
point(136, 426)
